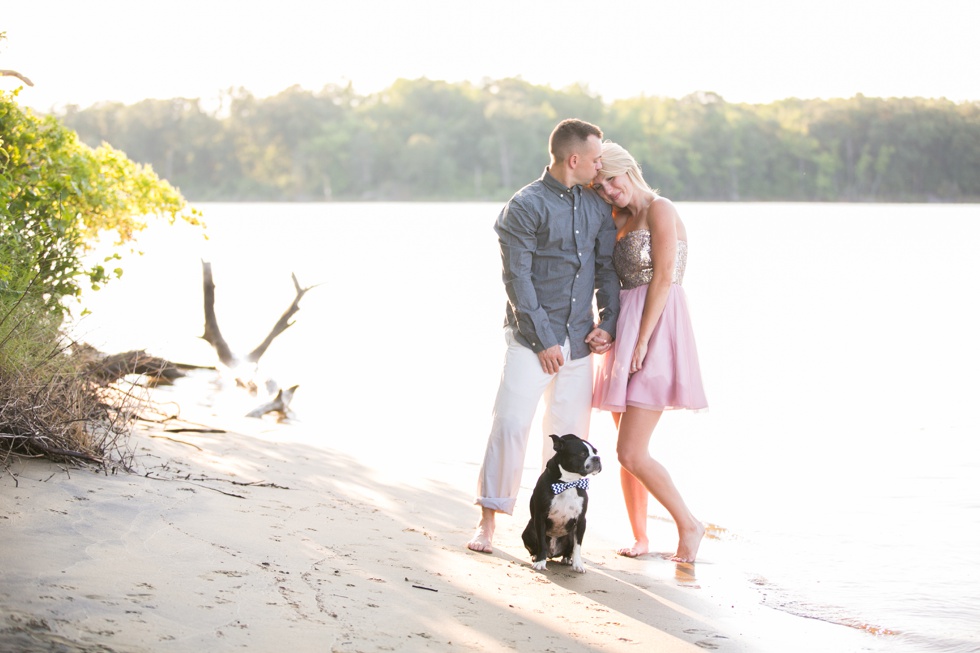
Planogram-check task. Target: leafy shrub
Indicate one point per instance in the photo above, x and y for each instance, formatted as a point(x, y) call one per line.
point(57, 196)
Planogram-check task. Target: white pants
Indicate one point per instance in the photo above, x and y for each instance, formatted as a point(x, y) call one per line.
point(568, 409)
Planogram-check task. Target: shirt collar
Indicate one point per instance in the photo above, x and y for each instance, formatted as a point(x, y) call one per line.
point(555, 185)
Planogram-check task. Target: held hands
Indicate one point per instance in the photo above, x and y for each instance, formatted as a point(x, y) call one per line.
point(598, 341)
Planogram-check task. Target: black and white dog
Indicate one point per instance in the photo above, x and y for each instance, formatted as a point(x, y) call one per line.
point(559, 502)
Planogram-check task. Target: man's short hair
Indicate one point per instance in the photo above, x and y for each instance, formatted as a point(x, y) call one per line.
point(570, 133)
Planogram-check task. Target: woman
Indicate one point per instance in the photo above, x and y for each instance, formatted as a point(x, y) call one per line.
point(653, 365)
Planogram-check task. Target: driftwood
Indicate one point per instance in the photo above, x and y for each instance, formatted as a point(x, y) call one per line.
point(279, 405)
point(14, 73)
point(108, 368)
point(212, 335)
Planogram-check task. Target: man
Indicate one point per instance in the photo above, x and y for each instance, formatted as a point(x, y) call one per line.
point(556, 242)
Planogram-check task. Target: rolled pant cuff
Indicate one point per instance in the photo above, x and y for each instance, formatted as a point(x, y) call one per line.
point(500, 505)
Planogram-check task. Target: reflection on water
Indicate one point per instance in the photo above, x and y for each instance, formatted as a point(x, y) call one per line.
point(684, 574)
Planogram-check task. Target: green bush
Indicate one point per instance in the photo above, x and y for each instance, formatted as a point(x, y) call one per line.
point(57, 197)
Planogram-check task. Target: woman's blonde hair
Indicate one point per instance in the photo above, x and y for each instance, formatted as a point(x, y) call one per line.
point(617, 161)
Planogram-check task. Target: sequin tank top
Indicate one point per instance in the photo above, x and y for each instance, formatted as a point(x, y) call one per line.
point(634, 264)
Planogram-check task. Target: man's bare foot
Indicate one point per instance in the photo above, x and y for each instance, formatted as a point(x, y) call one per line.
point(687, 547)
point(482, 540)
point(639, 548)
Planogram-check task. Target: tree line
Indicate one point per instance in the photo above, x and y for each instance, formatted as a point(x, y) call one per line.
point(433, 140)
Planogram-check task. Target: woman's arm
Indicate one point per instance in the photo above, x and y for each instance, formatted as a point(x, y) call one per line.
point(661, 220)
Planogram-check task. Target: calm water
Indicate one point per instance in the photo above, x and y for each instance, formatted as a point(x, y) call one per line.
point(838, 345)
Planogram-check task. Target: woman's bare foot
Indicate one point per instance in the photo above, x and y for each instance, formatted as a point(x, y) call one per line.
point(639, 548)
point(482, 540)
point(687, 547)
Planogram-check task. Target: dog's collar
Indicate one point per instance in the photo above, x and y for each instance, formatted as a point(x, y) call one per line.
point(560, 487)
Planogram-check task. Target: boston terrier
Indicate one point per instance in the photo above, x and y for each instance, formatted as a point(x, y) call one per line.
point(559, 502)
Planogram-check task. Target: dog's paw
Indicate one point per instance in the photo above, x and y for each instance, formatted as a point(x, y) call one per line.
point(579, 567)
point(540, 565)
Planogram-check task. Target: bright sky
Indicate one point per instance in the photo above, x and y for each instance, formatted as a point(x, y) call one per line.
point(745, 50)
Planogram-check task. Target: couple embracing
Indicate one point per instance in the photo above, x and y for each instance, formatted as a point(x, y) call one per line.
point(592, 227)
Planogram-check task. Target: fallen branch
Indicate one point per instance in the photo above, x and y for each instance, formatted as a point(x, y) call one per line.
point(106, 368)
point(189, 478)
point(7, 470)
point(14, 73)
point(189, 444)
point(37, 442)
point(214, 489)
point(280, 404)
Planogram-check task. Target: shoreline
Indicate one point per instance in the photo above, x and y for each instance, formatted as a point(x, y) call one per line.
point(263, 538)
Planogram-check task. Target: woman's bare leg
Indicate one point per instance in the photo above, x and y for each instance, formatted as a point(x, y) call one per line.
point(635, 430)
point(636, 497)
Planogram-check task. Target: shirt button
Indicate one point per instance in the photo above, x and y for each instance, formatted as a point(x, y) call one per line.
point(573, 299)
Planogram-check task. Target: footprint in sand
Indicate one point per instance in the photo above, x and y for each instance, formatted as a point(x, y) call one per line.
point(706, 643)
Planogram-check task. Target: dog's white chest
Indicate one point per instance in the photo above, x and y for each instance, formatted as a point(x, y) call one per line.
point(564, 508)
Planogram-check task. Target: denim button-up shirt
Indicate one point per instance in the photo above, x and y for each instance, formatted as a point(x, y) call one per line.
point(556, 247)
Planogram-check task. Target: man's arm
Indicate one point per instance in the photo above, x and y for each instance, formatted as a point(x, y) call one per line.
point(516, 231)
point(606, 281)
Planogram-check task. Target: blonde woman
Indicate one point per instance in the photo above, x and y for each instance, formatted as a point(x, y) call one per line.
point(653, 365)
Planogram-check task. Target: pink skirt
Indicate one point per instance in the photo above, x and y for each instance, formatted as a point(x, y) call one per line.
point(671, 374)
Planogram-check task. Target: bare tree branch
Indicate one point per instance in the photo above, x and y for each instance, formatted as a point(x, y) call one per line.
point(212, 334)
point(14, 73)
point(281, 325)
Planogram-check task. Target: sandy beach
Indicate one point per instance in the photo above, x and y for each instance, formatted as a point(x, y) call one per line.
point(265, 537)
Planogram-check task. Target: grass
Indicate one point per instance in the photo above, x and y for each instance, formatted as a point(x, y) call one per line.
point(55, 401)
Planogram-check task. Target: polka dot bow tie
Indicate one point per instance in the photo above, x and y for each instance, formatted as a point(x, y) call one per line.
point(558, 488)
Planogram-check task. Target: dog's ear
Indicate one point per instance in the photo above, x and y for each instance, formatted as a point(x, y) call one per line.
point(558, 442)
